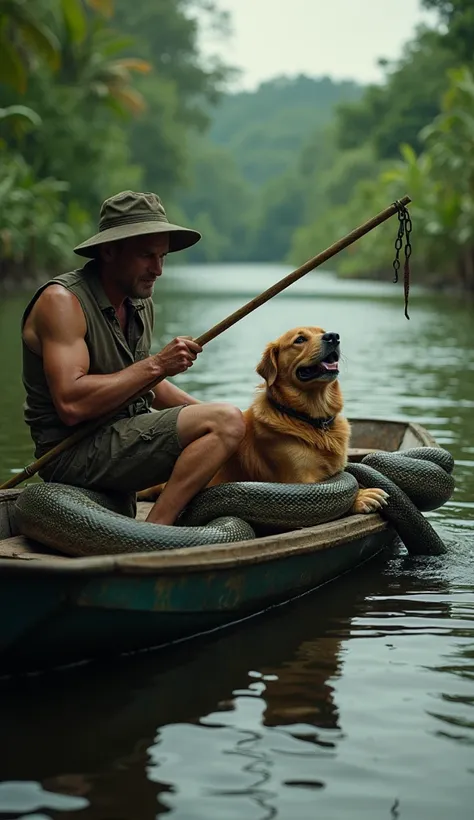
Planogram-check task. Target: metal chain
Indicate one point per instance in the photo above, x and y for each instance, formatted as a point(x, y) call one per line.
point(404, 230)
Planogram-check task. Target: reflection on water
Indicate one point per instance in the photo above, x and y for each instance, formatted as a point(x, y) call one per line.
point(357, 700)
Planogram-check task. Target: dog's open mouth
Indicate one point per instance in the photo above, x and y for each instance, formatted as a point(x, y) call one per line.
point(329, 368)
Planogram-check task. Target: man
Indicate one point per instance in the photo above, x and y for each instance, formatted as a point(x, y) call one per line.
point(86, 350)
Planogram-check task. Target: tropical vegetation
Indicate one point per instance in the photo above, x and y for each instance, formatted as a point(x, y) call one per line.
point(101, 95)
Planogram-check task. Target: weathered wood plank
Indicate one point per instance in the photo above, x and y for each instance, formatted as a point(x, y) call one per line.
point(356, 454)
point(7, 519)
point(20, 547)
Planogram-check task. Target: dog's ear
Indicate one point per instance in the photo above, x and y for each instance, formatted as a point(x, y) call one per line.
point(267, 367)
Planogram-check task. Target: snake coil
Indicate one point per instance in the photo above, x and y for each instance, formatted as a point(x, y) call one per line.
point(83, 522)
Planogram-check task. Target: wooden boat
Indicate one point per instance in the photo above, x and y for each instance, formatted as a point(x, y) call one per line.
point(56, 609)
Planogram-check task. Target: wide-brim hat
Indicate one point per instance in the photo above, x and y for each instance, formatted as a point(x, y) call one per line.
point(135, 214)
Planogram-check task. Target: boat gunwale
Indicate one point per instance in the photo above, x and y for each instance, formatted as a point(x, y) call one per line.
point(220, 556)
point(207, 557)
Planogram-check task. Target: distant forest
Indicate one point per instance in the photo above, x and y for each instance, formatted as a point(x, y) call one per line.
point(248, 169)
point(101, 95)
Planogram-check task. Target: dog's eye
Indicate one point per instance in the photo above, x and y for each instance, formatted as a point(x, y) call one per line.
point(299, 340)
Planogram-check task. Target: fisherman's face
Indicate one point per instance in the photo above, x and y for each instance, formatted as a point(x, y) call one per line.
point(137, 263)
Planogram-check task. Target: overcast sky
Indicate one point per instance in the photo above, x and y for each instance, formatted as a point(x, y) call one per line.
point(341, 38)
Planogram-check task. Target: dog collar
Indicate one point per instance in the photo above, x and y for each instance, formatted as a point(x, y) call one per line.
point(317, 423)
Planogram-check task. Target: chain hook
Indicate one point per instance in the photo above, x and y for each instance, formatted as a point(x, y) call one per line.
point(404, 230)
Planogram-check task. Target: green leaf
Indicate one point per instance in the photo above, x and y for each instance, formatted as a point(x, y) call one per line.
point(114, 45)
point(74, 19)
point(105, 7)
point(132, 64)
point(17, 17)
point(12, 68)
point(408, 154)
point(21, 111)
point(42, 40)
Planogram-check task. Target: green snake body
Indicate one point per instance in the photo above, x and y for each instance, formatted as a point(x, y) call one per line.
point(82, 522)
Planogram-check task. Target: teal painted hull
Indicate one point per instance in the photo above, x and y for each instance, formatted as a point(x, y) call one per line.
point(49, 619)
point(56, 610)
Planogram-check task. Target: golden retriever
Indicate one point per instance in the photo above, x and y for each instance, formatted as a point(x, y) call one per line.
point(295, 432)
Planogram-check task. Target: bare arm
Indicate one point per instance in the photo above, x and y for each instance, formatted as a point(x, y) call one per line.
point(60, 328)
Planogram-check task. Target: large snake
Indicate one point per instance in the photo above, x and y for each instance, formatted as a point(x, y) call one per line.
point(82, 522)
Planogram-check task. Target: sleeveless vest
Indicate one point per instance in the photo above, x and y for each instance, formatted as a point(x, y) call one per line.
point(109, 351)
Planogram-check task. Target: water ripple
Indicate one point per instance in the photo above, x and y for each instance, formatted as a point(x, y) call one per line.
point(356, 701)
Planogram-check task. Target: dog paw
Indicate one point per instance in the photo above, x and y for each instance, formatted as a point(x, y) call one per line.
point(369, 501)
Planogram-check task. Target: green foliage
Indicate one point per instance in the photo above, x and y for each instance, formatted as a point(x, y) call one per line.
point(330, 213)
point(458, 19)
point(81, 116)
point(24, 38)
point(19, 120)
point(101, 95)
point(395, 112)
point(97, 140)
point(266, 129)
point(253, 182)
point(33, 231)
point(447, 217)
point(279, 213)
point(75, 18)
point(440, 181)
point(179, 89)
point(415, 135)
point(219, 203)
point(29, 36)
point(91, 64)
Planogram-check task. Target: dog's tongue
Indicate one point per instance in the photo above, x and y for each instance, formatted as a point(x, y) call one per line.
point(329, 365)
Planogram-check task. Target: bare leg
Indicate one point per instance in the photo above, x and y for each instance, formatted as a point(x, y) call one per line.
point(210, 434)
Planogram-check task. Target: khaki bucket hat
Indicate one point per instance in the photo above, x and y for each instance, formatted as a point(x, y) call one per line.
point(133, 214)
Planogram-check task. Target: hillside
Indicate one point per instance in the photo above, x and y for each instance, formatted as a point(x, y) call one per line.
point(265, 129)
point(244, 179)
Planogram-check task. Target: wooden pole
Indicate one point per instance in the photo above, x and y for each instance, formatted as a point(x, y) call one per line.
point(308, 266)
point(216, 330)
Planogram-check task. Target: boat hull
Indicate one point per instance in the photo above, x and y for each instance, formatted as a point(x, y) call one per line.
point(69, 617)
point(56, 610)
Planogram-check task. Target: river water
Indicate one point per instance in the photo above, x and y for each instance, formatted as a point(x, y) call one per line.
point(354, 701)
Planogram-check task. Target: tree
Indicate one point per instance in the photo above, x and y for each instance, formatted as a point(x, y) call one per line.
point(75, 125)
point(450, 146)
point(23, 38)
point(279, 211)
point(457, 17)
point(329, 189)
point(266, 129)
point(218, 202)
point(61, 150)
point(33, 230)
point(92, 64)
point(440, 181)
point(28, 35)
point(179, 90)
point(394, 113)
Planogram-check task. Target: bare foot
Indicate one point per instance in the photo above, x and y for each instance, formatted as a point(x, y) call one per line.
point(369, 501)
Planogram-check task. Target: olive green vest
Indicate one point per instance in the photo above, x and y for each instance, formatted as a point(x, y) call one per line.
point(109, 352)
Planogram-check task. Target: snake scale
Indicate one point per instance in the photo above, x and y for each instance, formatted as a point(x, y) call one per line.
point(83, 522)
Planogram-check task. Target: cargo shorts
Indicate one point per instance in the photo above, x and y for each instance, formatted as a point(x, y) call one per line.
point(129, 455)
